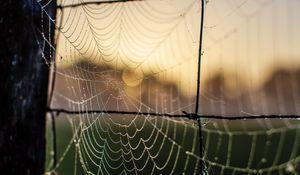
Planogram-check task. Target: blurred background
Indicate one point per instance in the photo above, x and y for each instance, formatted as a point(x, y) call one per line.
point(142, 56)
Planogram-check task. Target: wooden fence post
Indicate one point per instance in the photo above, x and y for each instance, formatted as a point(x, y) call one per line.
point(23, 83)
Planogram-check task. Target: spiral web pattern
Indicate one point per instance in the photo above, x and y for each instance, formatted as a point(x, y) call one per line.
point(118, 42)
point(111, 145)
point(111, 58)
point(142, 56)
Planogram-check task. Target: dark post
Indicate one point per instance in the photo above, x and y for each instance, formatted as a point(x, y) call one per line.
point(24, 76)
point(202, 168)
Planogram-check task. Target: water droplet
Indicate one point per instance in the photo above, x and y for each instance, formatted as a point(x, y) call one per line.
point(263, 160)
point(290, 168)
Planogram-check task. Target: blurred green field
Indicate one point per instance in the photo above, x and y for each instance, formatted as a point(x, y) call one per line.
point(235, 147)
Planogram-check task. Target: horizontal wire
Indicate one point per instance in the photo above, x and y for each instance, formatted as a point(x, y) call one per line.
point(192, 116)
point(92, 2)
point(115, 112)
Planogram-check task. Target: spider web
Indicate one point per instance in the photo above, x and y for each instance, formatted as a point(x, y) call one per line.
point(112, 54)
point(105, 65)
point(125, 84)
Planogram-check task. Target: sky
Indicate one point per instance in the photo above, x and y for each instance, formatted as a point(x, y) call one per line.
point(247, 39)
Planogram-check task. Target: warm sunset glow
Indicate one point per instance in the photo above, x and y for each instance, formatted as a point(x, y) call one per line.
point(131, 78)
point(234, 39)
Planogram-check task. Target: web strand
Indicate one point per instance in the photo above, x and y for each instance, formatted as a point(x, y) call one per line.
point(129, 97)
